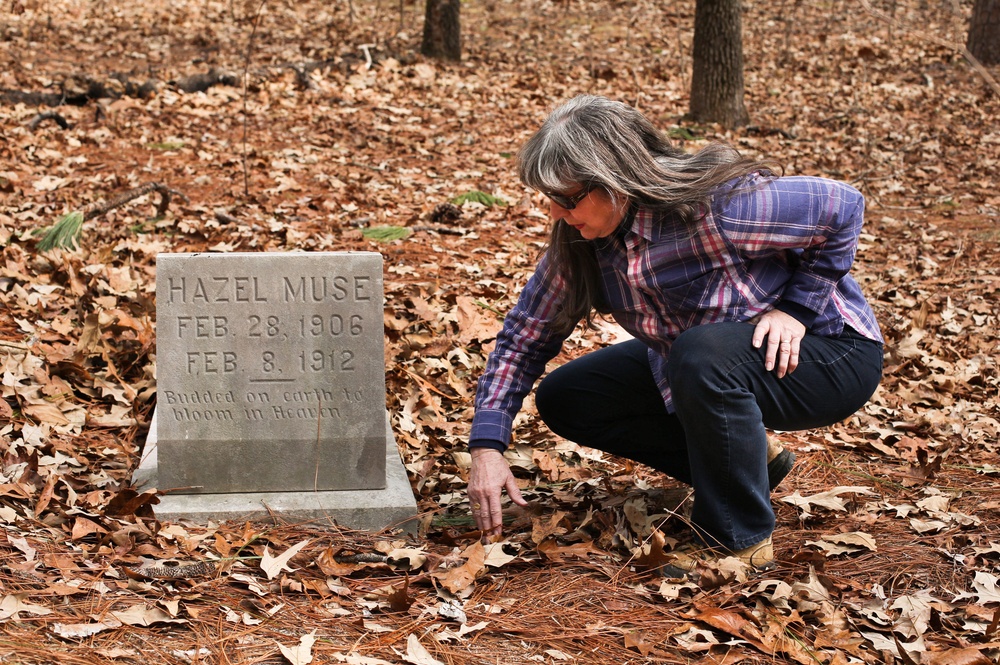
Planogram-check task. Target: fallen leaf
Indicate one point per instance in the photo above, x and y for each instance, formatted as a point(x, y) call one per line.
point(636, 640)
point(273, 565)
point(914, 613)
point(23, 545)
point(459, 579)
point(553, 551)
point(412, 558)
point(49, 183)
point(495, 556)
point(118, 652)
point(463, 630)
point(730, 622)
point(558, 655)
point(300, 654)
point(927, 526)
point(830, 499)
point(856, 539)
point(47, 413)
point(542, 529)
point(696, 640)
point(12, 605)
point(651, 555)
point(994, 548)
point(672, 590)
point(417, 654)
point(141, 615)
point(75, 631)
point(986, 587)
point(399, 598)
point(967, 656)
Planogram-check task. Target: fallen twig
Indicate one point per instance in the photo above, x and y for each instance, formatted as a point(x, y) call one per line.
point(47, 115)
point(225, 218)
point(101, 207)
point(441, 229)
point(66, 232)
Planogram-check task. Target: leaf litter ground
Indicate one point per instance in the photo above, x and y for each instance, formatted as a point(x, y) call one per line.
point(887, 539)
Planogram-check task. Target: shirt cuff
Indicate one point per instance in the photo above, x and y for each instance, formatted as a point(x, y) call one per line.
point(487, 443)
point(800, 313)
point(491, 425)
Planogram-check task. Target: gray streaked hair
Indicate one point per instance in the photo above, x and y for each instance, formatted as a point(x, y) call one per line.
point(596, 141)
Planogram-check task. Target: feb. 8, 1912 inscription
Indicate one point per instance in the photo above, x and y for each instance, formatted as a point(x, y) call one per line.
point(270, 372)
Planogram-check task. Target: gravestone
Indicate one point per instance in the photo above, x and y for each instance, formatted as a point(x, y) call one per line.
point(271, 390)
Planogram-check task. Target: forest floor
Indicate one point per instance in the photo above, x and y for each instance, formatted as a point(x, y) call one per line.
point(887, 540)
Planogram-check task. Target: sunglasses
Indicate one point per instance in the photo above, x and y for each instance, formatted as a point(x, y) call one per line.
point(568, 202)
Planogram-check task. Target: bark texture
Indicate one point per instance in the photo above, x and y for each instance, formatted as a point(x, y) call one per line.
point(442, 31)
point(717, 74)
point(984, 32)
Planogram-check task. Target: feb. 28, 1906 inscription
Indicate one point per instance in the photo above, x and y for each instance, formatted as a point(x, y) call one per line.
point(270, 372)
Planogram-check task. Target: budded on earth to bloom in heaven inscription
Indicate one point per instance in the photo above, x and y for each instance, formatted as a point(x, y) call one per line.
point(270, 372)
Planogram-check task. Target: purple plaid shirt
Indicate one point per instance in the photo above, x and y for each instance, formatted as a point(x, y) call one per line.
point(773, 242)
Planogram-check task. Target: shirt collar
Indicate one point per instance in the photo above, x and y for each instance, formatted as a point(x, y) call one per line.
point(642, 223)
point(655, 227)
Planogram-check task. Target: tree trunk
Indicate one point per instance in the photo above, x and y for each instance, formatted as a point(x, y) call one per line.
point(984, 32)
point(717, 75)
point(442, 32)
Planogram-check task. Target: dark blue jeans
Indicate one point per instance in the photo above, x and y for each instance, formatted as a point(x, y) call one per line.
point(723, 400)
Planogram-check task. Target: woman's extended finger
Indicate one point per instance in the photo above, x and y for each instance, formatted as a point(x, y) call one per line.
point(760, 329)
point(772, 354)
point(486, 511)
point(493, 519)
point(489, 476)
point(784, 354)
point(793, 356)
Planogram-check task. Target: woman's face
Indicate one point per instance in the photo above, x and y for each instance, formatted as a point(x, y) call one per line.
point(595, 215)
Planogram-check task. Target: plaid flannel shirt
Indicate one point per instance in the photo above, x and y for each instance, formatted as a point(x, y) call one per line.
point(767, 243)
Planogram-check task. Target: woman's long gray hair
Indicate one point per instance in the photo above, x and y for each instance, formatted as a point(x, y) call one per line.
point(594, 141)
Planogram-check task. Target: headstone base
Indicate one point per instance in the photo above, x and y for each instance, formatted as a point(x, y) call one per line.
point(365, 510)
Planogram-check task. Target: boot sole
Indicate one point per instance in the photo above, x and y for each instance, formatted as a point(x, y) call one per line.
point(779, 467)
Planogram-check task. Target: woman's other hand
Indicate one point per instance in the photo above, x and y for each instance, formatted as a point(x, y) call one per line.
point(784, 334)
point(489, 476)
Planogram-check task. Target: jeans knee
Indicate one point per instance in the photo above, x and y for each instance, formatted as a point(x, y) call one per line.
point(567, 404)
point(691, 355)
point(547, 399)
point(704, 355)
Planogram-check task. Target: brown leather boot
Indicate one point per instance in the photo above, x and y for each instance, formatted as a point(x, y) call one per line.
point(779, 462)
point(685, 559)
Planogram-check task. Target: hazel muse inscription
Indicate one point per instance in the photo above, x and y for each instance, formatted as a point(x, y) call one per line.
point(270, 372)
point(225, 289)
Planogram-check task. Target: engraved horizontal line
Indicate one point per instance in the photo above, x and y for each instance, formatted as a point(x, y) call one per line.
point(272, 380)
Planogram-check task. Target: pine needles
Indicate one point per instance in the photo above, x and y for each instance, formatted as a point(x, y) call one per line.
point(386, 233)
point(64, 234)
point(476, 196)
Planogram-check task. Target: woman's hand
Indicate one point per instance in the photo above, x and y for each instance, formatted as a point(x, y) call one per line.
point(489, 476)
point(784, 334)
